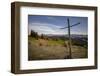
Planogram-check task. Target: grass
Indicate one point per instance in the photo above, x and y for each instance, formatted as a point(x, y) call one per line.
point(58, 42)
point(42, 49)
point(49, 42)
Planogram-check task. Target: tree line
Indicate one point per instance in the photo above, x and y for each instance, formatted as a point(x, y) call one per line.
point(35, 35)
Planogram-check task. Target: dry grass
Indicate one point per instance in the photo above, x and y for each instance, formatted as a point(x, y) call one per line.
point(48, 49)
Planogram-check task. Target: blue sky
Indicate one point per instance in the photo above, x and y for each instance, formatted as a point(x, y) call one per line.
point(51, 24)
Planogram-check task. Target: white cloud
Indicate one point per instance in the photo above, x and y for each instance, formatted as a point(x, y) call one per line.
point(46, 28)
point(51, 18)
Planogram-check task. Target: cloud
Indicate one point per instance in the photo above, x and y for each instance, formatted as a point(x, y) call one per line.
point(51, 18)
point(46, 28)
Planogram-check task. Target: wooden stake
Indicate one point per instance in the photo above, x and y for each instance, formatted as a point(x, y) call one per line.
point(69, 42)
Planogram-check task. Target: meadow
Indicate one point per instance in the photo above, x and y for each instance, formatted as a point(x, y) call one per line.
point(45, 48)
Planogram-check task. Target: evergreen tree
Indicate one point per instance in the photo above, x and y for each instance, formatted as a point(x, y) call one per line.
point(34, 34)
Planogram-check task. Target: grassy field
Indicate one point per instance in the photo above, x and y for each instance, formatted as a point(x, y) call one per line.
point(43, 49)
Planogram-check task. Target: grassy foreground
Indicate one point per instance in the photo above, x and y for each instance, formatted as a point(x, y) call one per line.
point(45, 49)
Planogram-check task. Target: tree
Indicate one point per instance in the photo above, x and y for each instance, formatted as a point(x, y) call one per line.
point(42, 36)
point(34, 34)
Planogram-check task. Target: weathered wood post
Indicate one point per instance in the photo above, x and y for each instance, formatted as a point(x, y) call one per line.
point(69, 42)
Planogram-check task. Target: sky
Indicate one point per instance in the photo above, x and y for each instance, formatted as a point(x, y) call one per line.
point(52, 24)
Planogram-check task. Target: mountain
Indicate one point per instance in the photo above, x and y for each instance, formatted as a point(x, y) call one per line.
point(82, 38)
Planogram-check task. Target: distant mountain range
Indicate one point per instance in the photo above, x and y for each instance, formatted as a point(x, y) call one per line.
point(83, 38)
point(72, 35)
